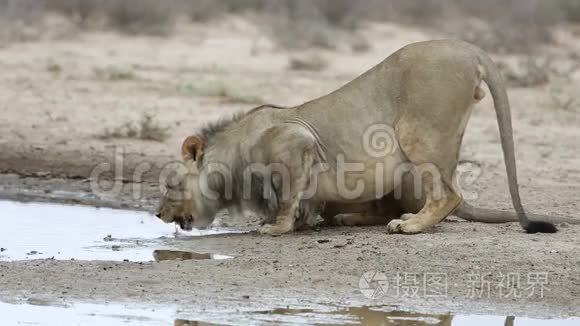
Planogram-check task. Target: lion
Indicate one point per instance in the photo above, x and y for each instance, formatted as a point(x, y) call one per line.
point(289, 164)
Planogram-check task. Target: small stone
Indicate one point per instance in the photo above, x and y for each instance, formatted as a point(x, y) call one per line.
point(246, 296)
point(116, 247)
point(323, 241)
point(2, 249)
point(343, 243)
point(42, 174)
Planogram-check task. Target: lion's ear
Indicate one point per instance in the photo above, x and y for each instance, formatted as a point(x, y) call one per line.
point(192, 147)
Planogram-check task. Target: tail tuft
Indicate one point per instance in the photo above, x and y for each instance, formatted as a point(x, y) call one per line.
point(541, 227)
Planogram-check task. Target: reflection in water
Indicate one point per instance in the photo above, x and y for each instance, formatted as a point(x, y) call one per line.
point(40, 231)
point(371, 316)
point(46, 313)
point(163, 255)
point(183, 322)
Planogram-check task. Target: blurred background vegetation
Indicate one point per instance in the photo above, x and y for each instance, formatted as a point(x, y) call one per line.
point(505, 26)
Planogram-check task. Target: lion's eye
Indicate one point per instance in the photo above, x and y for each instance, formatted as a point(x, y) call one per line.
point(172, 186)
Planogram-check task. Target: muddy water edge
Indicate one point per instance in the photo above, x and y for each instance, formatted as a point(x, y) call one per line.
point(65, 262)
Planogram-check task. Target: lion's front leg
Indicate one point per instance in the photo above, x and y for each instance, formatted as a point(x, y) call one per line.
point(285, 221)
point(291, 196)
point(286, 217)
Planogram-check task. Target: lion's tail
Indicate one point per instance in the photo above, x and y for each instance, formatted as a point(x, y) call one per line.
point(494, 81)
point(487, 215)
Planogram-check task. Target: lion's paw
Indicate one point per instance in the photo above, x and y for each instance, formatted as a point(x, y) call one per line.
point(271, 229)
point(344, 220)
point(266, 229)
point(405, 227)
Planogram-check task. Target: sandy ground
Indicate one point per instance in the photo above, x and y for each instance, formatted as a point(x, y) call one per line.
point(58, 97)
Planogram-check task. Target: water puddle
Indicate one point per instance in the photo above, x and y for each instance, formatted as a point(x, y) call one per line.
point(83, 314)
point(163, 254)
point(40, 231)
point(115, 314)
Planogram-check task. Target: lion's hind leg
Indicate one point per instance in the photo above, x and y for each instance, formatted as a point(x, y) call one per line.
point(440, 202)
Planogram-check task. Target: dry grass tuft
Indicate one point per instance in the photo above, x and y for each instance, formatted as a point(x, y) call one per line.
point(537, 71)
point(53, 67)
point(311, 62)
point(224, 90)
point(146, 129)
point(151, 17)
point(530, 72)
point(113, 73)
point(359, 44)
point(20, 20)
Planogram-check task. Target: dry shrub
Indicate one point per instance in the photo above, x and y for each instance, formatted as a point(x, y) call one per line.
point(304, 35)
point(514, 26)
point(572, 10)
point(500, 25)
point(291, 23)
point(25, 11)
point(152, 17)
point(146, 129)
point(20, 20)
point(312, 62)
point(496, 25)
point(359, 44)
point(562, 100)
point(336, 12)
point(419, 11)
point(79, 11)
point(114, 73)
point(537, 71)
point(530, 72)
point(296, 24)
point(226, 90)
point(204, 10)
point(142, 16)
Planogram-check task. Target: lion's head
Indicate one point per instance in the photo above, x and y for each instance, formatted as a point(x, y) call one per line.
point(182, 201)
